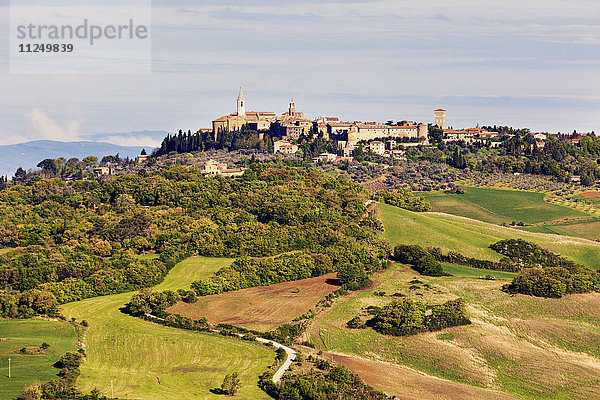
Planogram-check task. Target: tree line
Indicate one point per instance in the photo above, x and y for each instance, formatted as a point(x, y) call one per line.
point(189, 142)
point(541, 272)
point(73, 240)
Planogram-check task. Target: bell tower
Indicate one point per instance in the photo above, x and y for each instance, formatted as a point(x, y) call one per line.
point(440, 118)
point(241, 104)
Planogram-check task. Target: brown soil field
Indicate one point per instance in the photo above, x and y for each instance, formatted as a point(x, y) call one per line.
point(261, 308)
point(408, 384)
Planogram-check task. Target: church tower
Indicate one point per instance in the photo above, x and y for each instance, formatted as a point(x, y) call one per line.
point(241, 104)
point(440, 117)
point(292, 110)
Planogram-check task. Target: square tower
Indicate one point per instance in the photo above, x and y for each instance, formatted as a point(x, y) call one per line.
point(440, 118)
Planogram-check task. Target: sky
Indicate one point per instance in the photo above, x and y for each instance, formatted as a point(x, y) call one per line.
point(524, 63)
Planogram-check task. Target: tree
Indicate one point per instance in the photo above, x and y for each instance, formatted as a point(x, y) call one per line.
point(231, 384)
point(49, 166)
point(69, 360)
point(587, 179)
point(90, 161)
point(143, 153)
point(353, 276)
point(125, 202)
point(436, 134)
point(428, 265)
point(400, 318)
point(20, 174)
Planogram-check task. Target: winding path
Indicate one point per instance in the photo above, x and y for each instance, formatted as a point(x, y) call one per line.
point(291, 356)
point(291, 353)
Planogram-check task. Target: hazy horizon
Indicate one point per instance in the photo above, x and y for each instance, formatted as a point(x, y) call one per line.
point(525, 65)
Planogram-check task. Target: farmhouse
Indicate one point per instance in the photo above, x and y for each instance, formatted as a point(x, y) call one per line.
point(213, 167)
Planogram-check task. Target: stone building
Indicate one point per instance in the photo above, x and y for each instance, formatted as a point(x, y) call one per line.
point(256, 120)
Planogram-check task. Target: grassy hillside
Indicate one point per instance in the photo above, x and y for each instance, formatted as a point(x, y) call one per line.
point(149, 361)
point(27, 369)
point(472, 238)
point(499, 206)
point(528, 347)
point(468, 272)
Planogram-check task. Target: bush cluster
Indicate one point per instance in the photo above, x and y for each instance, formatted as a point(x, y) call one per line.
point(543, 273)
point(408, 317)
point(404, 199)
point(411, 254)
point(320, 380)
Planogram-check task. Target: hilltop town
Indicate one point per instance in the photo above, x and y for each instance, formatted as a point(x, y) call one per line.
point(387, 138)
point(315, 238)
point(265, 135)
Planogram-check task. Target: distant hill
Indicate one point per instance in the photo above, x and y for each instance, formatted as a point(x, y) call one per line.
point(136, 138)
point(28, 155)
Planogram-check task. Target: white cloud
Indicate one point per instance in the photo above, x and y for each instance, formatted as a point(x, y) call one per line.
point(46, 128)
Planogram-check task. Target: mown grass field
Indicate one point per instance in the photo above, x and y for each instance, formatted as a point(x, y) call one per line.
point(499, 206)
point(27, 369)
point(472, 238)
point(261, 308)
point(467, 272)
point(527, 347)
point(149, 361)
point(2, 251)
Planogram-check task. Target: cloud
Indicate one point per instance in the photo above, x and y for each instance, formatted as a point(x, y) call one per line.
point(45, 128)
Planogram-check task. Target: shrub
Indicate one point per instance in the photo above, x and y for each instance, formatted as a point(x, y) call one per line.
point(231, 384)
point(354, 323)
point(281, 355)
point(400, 318)
point(429, 265)
point(69, 360)
point(404, 199)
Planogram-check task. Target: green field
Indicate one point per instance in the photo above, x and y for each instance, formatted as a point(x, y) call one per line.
point(472, 238)
point(499, 206)
point(468, 272)
point(2, 251)
point(149, 361)
point(27, 369)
